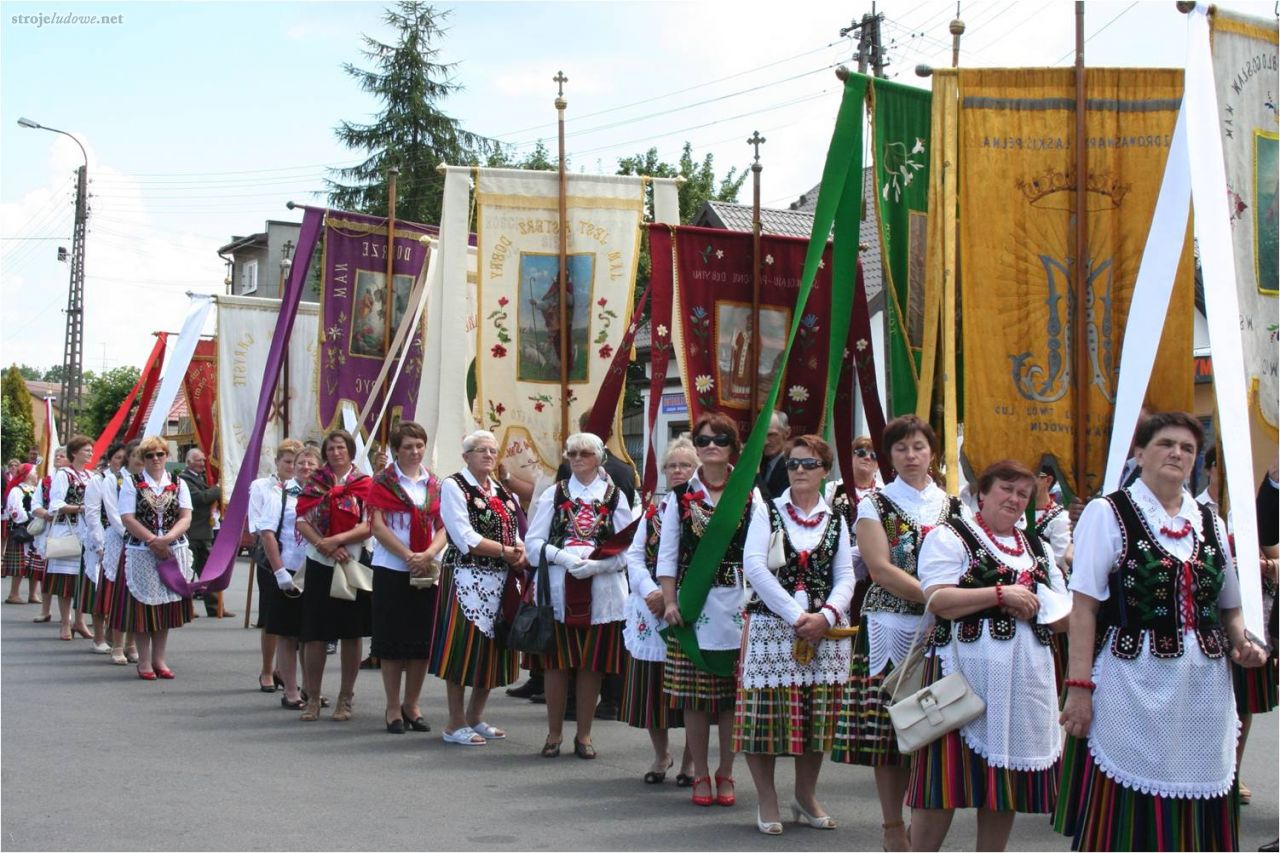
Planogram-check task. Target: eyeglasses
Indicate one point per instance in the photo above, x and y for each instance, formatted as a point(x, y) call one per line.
point(155, 454)
point(864, 453)
point(719, 440)
point(580, 454)
point(807, 464)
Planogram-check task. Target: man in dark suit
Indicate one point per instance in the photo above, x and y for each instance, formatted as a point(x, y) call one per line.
point(772, 478)
point(200, 534)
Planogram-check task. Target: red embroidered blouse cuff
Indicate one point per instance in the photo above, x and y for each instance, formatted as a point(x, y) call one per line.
point(1082, 683)
point(833, 615)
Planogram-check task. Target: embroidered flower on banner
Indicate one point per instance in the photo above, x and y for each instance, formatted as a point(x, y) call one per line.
point(662, 331)
point(602, 302)
point(822, 263)
point(606, 317)
point(701, 322)
point(861, 344)
point(768, 259)
point(499, 319)
point(503, 301)
point(499, 351)
point(799, 393)
point(703, 383)
point(606, 351)
point(719, 254)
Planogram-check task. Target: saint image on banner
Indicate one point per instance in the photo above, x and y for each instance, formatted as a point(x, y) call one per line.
point(733, 350)
point(1266, 226)
point(538, 316)
point(371, 333)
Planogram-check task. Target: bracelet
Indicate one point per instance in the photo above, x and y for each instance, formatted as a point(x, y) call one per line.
point(999, 595)
point(1082, 683)
point(834, 613)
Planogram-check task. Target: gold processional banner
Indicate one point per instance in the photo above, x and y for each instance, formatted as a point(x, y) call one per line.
point(1017, 196)
point(518, 394)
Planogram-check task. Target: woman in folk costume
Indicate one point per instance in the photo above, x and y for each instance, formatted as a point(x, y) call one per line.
point(644, 706)
point(703, 696)
point(1002, 595)
point(36, 562)
point(65, 577)
point(19, 544)
point(1150, 718)
point(844, 502)
point(156, 511)
point(891, 524)
point(572, 519)
point(106, 547)
point(792, 675)
point(1053, 522)
point(484, 557)
point(404, 512)
point(331, 517)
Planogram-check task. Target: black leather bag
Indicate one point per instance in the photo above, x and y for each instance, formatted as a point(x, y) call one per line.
point(533, 628)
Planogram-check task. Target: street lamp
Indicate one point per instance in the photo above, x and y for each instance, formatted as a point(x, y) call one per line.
point(73, 349)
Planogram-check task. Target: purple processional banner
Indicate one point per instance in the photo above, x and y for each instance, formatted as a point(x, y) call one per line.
point(359, 314)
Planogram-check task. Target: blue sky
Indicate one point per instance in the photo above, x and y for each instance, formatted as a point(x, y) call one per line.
point(203, 119)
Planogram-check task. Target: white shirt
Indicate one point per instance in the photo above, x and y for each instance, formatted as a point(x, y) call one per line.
point(787, 606)
point(13, 508)
point(93, 534)
point(608, 589)
point(1058, 534)
point(454, 514)
point(399, 522)
point(129, 496)
point(265, 496)
point(924, 505)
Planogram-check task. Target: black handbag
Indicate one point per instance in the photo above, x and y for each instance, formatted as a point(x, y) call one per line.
point(533, 628)
point(258, 554)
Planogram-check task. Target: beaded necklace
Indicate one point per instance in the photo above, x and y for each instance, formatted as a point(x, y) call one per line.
point(1016, 551)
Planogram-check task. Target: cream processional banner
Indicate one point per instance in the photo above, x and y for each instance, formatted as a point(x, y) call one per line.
point(245, 327)
point(518, 330)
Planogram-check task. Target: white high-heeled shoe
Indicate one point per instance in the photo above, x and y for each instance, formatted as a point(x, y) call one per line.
point(773, 827)
point(799, 815)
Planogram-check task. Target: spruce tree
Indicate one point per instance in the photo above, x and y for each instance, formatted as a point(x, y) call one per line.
point(411, 132)
point(17, 424)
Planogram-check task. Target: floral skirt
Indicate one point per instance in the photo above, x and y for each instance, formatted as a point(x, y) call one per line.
point(643, 704)
point(688, 688)
point(788, 720)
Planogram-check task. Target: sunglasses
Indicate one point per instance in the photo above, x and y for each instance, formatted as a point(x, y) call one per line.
point(864, 453)
point(806, 464)
point(155, 454)
point(719, 440)
point(580, 454)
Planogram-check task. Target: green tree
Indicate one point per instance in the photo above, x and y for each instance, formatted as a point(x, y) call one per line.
point(539, 158)
point(34, 374)
point(411, 132)
point(103, 396)
point(53, 374)
point(17, 426)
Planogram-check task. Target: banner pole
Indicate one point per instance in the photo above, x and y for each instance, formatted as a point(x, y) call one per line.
point(566, 331)
point(1080, 355)
point(390, 299)
point(753, 351)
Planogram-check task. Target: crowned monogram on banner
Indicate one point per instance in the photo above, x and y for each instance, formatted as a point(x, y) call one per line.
point(360, 313)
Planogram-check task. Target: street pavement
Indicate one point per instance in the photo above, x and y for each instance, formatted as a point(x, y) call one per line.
point(91, 758)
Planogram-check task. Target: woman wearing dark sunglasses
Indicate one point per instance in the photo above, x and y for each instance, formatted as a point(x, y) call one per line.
point(788, 703)
point(865, 478)
point(701, 695)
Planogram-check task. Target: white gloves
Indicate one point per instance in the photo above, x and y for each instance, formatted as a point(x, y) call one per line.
point(284, 580)
point(565, 558)
point(591, 568)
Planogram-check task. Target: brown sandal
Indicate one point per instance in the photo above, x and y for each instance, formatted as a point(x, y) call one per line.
point(551, 750)
point(311, 713)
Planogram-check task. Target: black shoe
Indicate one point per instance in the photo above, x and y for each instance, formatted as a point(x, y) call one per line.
point(538, 698)
point(395, 727)
point(527, 690)
point(606, 710)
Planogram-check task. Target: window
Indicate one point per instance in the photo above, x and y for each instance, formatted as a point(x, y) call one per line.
point(249, 277)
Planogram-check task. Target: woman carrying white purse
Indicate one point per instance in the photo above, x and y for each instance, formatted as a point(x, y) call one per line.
point(1002, 595)
point(64, 574)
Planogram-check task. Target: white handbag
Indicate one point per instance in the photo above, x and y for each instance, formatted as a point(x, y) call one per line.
point(62, 547)
point(349, 578)
point(777, 557)
point(930, 711)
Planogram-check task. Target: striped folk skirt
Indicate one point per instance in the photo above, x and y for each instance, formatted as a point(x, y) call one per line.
point(35, 565)
point(15, 558)
point(947, 774)
point(63, 586)
point(1255, 687)
point(132, 616)
point(1099, 813)
point(595, 649)
point(643, 704)
point(461, 653)
point(103, 595)
point(688, 688)
point(789, 720)
point(864, 732)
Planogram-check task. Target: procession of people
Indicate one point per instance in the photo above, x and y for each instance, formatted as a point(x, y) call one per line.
point(443, 571)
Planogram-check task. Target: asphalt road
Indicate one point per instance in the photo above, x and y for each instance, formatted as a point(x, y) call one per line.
point(91, 758)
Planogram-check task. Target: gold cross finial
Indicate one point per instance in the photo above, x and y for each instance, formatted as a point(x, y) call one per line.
point(755, 141)
point(560, 80)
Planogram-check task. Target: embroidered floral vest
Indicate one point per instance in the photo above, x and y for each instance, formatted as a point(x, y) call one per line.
point(1147, 587)
point(75, 494)
point(156, 512)
point(813, 572)
point(567, 509)
point(904, 537)
point(653, 534)
point(694, 515)
point(1042, 525)
point(985, 570)
point(486, 520)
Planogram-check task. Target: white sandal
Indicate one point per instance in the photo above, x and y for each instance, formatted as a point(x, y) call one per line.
point(488, 732)
point(465, 736)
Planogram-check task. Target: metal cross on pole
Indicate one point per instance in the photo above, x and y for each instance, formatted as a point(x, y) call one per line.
point(560, 80)
point(755, 141)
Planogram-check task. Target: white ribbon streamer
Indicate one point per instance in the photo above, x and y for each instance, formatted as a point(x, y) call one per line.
point(179, 361)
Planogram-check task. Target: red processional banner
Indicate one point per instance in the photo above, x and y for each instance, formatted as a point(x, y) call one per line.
point(201, 387)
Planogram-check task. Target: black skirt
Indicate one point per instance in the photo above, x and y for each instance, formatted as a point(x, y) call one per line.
point(404, 618)
point(278, 613)
point(326, 618)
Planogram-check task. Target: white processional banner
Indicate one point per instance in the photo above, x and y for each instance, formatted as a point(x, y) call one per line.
point(1244, 70)
point(245, 327)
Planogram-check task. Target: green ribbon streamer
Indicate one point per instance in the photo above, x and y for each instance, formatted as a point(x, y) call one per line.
point(839, 199)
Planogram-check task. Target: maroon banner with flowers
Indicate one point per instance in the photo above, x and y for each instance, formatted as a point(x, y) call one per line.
point(712, 319)
point(201, 387)
point(359, 314)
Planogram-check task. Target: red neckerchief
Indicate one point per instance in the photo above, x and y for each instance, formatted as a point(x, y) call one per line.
point(340, 505)
point(388, 495)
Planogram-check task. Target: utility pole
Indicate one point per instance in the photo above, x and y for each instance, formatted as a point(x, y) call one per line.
point(870, 48)
point(73, 350)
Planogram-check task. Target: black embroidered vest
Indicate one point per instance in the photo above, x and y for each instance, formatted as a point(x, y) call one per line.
point(904, 536)
point(486, 521)
point(152, 508)
point(985, 570)
point(694, 515)
point(567, 507)
point(817, 574)
point(75, 495)
point(1042, 526)
point(652, 537)
point(1147, 584)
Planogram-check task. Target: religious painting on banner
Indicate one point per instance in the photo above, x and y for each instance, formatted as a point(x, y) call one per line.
point(200, 384)
point(902, 116)
point(1244, 68)
point(360, 313)
point(712, 329)
point(1017, 197)
point(518, 340)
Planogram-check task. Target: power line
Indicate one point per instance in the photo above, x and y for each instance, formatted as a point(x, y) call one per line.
point(1124, 11)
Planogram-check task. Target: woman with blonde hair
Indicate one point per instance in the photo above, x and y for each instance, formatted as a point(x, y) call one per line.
point(270, 501)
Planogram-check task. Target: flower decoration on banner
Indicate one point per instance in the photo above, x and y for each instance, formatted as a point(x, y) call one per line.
point(703, 384)
point(705, 254)
point(701, 322)
point(606, 317)
point(540, 401)
point(822, 263)
point(571, 398)
point(719, 254)
point(499, 318)
point(495, 411)
point(798, 393)
point(605, 351)
point(807, 334)
point(498, 351)
point(768, 259)
point(662, 330)
point(901, 167)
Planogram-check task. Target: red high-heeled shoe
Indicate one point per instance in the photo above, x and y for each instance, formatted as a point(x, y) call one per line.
point(164, 672)
point(146, 676)
point(725, 799)
point(707, 799)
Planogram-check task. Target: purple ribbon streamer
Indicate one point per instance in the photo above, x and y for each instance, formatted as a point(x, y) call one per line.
point(217, 571)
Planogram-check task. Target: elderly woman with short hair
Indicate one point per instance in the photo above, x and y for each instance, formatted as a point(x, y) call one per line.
point(572, 519)
point(482, 521)
point(65, 577)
